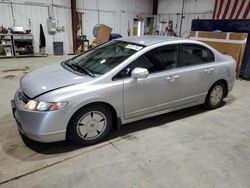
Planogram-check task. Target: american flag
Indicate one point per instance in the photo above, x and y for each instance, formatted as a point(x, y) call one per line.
point(231, 9)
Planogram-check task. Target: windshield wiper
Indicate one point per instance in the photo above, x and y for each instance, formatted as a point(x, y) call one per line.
point(78, 67)
point(82, 68)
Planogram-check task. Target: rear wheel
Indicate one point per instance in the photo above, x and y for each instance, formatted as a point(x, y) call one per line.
point(90, 125)
point(215, 96)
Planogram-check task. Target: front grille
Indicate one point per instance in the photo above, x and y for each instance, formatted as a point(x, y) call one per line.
point(23, 97)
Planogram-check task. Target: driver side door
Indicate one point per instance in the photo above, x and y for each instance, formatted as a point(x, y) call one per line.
point(160, 90)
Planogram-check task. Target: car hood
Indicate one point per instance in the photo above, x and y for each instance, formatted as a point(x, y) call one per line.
point(49, 78)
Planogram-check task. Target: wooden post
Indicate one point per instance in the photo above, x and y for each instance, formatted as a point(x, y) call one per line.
point(74, 24)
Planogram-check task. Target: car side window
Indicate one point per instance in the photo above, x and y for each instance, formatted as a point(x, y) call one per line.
point(158, 59)
point(141, 62)
point(192, 54)
point(165, 57)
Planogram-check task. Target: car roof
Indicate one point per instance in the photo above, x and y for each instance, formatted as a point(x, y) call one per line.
point(148, 40)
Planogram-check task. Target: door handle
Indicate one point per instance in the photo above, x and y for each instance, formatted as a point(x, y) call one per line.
point(208, 71)
point(172, 78)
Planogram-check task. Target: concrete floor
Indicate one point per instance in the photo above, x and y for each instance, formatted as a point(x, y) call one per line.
point(188, 148)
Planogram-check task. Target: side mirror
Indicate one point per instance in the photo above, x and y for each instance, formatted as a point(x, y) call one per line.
point(139, 73)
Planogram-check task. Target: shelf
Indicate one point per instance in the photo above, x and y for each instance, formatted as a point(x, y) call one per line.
point(5, 45)
point(27, 55)
point(5, 56)
point(23, 37)
point(18, 41)
point(5, 37)
point(5, 34)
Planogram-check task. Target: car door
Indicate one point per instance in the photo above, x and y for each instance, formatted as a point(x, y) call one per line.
point(156, 92)
point(196, 71)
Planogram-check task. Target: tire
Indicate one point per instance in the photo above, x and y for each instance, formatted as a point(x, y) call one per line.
point(90, 125)
point(215, 96)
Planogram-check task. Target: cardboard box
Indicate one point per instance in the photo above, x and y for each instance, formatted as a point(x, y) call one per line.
point(103, 33)
point(232, 44)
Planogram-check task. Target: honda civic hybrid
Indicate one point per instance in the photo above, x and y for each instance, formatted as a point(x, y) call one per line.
point(118, 82)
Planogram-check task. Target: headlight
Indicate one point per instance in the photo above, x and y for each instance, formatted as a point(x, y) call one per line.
point(33, 105)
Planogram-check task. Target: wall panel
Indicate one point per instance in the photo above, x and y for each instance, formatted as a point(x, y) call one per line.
point(30, 14)
point(114, 13)
point(125, 18)
point(109, 19)
point(63, 19)
point(90, 20)
point(193, 9)
point(5, 15)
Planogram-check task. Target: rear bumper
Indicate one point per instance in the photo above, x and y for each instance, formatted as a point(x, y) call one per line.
point(39, 126)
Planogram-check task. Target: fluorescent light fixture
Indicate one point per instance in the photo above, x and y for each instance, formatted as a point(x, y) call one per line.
point(139, 29)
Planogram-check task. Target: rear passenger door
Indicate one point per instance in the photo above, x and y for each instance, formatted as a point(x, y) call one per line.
point(196, 71)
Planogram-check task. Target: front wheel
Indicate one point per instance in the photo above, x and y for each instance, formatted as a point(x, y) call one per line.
point(215, 96)
point(90, 125)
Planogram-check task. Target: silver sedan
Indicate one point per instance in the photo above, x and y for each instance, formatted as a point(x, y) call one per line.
point(121, 81)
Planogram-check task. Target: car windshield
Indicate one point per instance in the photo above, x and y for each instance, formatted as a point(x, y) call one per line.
point(104, 58)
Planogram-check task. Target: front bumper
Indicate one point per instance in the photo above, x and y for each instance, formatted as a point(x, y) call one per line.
point(39, 126)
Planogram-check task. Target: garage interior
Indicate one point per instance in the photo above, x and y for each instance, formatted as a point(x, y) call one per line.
point(192, 147)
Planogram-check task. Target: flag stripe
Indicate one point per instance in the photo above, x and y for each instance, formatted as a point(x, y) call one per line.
point(219, 11)
point(234, 8)
point(247, 10)
point(215, 8)
point(231, 9)
point(226, 9)
point(243, 10)
point(240, 9)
